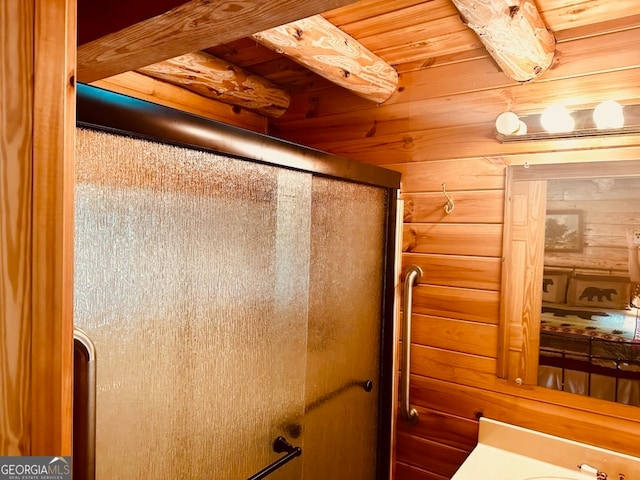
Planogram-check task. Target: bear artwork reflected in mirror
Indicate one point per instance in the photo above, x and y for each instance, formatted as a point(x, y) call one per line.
point(590, 293)
point(589, 324)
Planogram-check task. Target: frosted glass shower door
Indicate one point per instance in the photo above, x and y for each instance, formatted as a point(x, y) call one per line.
point(344, 337)
point(192, 280)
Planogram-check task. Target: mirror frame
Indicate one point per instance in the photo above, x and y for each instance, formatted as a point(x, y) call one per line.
point(523, 258)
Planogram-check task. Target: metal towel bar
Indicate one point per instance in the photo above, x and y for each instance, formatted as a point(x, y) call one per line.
point(280, 445)
point(413, 274)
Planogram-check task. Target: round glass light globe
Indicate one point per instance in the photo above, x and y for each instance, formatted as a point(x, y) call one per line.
point(557, 119)
point(608, 114)
point(507, 123)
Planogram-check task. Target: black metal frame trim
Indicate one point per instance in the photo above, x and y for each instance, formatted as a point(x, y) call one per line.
point(104, 110)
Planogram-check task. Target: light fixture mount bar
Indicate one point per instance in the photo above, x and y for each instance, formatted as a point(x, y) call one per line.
point(585, 126)
point(588, 132)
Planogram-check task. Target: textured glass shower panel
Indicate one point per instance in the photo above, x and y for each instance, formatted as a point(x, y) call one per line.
point(191, 279)
point(345, 291)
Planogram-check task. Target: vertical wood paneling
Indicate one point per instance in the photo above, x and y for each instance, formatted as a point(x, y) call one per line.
point(16, 92)
point(521, 292)
point(53, 185)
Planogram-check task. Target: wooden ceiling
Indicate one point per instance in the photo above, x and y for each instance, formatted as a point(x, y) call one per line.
point(408, 34)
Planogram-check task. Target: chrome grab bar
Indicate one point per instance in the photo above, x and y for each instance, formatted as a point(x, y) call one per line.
point(280, 445)
point(413, 274)
point(84, 458)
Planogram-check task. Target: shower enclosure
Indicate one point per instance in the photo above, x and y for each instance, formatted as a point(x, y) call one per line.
point(237, 292)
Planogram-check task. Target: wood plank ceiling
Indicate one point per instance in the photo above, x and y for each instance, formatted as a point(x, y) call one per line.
point(410, 35)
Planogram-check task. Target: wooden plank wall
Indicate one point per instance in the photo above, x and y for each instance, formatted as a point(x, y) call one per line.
point(608, 211)
point(146, 88)
point(438, 129)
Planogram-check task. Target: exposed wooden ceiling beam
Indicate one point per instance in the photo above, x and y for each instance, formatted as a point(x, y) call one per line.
point(134, 84)
point(214, 78)
point(513, 33)
point(326, 50)
point(190, 27)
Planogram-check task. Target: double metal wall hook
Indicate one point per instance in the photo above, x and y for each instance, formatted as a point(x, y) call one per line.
point(448, 208)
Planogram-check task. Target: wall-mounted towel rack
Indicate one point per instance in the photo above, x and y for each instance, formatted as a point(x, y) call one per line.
point(280, 445)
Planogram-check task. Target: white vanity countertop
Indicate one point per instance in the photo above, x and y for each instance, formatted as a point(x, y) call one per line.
point(509, 452)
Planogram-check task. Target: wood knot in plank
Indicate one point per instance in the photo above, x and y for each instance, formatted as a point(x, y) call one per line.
point(231, 8)
point(407, 140)
point(313, 106)
point(410, 242)
point(408, 211)
point(428, 62)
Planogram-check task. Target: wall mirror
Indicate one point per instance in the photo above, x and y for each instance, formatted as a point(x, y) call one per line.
point(567, 320)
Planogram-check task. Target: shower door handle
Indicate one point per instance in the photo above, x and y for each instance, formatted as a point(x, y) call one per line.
point(84, 458)
point(413, 274)
point(280, 445)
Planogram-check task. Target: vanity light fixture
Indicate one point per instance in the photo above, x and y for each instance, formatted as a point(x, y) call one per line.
point(608, 114)
point(559, 122)
point(508, 123)
point(557, 119)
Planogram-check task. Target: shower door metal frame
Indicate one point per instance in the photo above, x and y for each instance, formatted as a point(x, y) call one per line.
point(103, 110)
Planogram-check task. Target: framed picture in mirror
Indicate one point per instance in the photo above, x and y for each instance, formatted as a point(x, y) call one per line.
point(563, 231)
